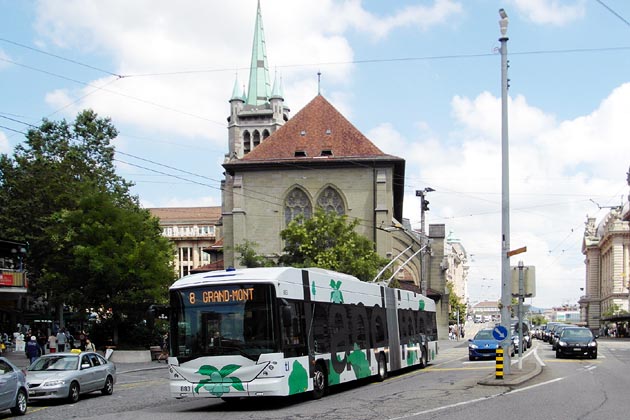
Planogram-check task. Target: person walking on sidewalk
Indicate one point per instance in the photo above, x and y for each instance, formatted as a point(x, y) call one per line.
point(62, 339)
point(32, 349)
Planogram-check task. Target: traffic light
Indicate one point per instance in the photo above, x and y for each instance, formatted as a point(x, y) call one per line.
point(425, 205)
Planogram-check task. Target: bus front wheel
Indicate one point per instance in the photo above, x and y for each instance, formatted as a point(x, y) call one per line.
point(319, 381)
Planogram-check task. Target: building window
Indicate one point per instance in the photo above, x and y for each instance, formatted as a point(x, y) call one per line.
point(296, 203)
point(331, 201)
point(256, 138)
point(265, 134)
point(246, 142)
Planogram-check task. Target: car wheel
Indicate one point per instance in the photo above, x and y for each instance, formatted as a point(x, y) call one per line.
point(319, 381)
point(108, 389)
point(471, 358)
point(558, 355)
point(21, 402)
point(594, 355)
point(73, 394)
point(381, 368)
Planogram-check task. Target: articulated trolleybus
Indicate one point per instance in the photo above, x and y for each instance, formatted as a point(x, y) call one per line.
point(284, 331)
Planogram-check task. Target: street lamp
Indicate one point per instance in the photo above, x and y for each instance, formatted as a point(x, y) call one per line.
point(19, 254)
point(506, 284)
point(424, 205)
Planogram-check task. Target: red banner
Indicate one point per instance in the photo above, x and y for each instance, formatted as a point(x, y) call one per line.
point(6, 279)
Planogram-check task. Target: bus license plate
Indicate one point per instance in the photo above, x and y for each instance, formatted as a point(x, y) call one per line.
point(184, 388)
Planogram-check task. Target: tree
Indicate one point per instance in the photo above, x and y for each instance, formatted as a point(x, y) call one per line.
point(249, 257)
point(457, 307)
point(91, 245)
point(327, 240)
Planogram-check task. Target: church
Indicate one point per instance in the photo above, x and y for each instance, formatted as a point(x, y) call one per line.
point(278, 167)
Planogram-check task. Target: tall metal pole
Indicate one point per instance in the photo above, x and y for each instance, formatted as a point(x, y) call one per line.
point(506, 286)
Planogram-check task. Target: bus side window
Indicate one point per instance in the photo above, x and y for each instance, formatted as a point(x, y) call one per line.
point(292, 319)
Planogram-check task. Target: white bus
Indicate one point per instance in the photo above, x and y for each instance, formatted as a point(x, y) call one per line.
point(283, 331)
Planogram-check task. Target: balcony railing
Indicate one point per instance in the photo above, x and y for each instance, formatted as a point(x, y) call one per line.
point(12, 278)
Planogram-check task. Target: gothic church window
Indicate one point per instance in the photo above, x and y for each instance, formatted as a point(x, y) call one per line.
point(330, 200)
point(265, 134)
point(256, 138)
point(247, 146)
point(296, 203)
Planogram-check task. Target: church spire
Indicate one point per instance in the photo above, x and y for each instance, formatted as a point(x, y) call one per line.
point(259, 88)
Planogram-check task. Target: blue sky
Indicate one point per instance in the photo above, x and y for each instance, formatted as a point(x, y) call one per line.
point(421, 79)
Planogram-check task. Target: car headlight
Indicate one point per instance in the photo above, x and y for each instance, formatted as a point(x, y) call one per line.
point(54, 382)
point(592, 344)
point(473, 346)
point(562, 343)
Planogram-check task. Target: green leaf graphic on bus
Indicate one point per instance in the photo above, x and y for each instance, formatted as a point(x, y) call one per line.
point(359, 363)
point(313, 289)
point(336, 296)
point(333, 377)
point(421, 305)
point(218, 383)
point(412, 355)
point(298, 380)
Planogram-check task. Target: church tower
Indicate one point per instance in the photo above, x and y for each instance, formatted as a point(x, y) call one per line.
point(255, 115)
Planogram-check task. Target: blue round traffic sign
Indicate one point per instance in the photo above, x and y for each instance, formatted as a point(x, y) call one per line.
point(500, 333)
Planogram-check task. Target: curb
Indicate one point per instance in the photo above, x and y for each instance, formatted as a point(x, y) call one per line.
point(512, 379)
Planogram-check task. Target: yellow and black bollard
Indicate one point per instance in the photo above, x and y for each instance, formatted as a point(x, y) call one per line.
point(499, 357)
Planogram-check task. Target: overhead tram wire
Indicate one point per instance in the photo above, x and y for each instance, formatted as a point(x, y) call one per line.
point(8, 41)
point(613, 12)
point(168, 108)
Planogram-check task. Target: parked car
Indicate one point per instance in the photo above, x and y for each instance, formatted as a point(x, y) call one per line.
point(67, 375)
point(576, 341)
point(527, 338)
point(484, 345)
point(13, 389)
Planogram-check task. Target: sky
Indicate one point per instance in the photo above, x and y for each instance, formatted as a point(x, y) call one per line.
point(421, 79)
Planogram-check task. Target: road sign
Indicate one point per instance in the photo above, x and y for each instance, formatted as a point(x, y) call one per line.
point(500, 333)
point(517, 251)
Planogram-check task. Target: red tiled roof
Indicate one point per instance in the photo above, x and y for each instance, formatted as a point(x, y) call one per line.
point(214, 266)
point(187, 214)
point(317, 130)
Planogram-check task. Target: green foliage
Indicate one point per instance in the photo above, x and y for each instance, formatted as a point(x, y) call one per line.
point(249, 258)
point(327, 240)
point(455, 303)
point(539, 320)
point(614, 310)
point(90, 244)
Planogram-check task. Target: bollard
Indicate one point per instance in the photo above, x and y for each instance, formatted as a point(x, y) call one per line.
point(499, 360)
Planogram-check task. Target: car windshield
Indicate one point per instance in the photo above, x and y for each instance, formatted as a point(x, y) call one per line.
point(577, 333)
point(51, 363)
point(484, 335)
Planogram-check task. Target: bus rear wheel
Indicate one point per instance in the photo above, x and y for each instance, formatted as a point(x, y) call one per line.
point(319, 381)
point(382, 367)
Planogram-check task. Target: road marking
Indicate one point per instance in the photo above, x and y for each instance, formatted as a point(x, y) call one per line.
point(462, 368)
point(476, 400)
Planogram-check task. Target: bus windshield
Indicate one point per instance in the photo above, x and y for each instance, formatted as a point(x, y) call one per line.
point(223, 320)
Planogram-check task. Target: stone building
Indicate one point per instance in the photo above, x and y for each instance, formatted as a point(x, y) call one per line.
point(279, 167)
point(455, 266)
point(194, 234)
point(606, 247)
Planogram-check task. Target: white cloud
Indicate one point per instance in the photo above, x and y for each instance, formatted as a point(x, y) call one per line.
point(3, 56)
point(4, 143)
point(554, 12)
point(556, 167)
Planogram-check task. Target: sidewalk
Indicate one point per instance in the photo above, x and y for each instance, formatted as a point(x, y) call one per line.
point(19, 359)
point(530, 366)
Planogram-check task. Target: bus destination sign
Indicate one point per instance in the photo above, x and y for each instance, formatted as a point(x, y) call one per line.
point(221, 296)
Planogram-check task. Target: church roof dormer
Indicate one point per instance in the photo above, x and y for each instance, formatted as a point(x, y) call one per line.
point(259, 89)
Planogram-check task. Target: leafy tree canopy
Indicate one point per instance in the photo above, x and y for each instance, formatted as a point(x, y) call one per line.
point(327, 240)
point(456, 305)
point(90, 244)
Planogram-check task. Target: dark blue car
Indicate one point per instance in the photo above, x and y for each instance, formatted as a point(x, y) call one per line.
point(483, 345)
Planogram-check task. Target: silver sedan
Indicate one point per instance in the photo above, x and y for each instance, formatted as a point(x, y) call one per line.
point(13, 392)
point(67, 375)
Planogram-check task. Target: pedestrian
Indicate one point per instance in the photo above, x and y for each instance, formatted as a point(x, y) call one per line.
point(42, 340)
point(89, 346)
point(52, 343)
point(62, 339)
point(32, 349)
